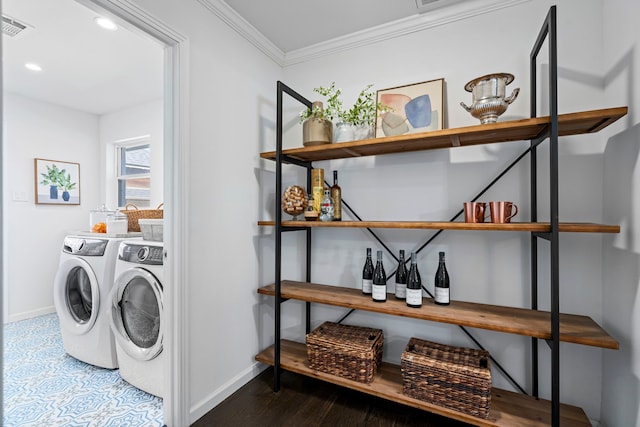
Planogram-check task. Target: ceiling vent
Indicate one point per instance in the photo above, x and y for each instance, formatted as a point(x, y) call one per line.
point(429, 5)
point(12, 27)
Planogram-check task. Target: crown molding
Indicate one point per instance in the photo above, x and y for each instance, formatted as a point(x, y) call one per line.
point(230, 17)
point(398, 28)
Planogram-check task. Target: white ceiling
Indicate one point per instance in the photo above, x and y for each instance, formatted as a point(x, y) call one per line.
point(84, 66)
point(90, 69)
point(295, 24)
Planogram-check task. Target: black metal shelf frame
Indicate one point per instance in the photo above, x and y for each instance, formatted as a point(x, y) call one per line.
point(548, 31)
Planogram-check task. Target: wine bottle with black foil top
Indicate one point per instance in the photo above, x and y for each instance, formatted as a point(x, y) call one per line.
point(367, 274)
point(442, 283)
point(401, 278)
point(336, 195)
point(379, 289)
point(414, 284)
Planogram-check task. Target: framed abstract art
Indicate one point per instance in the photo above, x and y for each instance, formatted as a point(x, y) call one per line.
point(411, 108)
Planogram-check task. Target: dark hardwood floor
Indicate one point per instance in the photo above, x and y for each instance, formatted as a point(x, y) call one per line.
point(304, 401)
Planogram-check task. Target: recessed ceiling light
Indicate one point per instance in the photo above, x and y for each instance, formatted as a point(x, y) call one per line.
point(106, 23)
point(33, 67)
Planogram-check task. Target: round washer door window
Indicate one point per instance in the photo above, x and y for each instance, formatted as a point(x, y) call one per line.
point(140, 312)
point(76, 295)
point(137, 313)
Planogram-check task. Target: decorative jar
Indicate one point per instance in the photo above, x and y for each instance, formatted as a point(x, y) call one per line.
point(489, 99)
point(294, 201)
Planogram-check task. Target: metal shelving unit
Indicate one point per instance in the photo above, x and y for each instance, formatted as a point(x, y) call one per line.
point(537, 130)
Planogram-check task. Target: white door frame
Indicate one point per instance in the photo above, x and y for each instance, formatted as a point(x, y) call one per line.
point(176, 401)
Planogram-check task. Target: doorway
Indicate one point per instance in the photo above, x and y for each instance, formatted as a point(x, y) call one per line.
point(176, 402)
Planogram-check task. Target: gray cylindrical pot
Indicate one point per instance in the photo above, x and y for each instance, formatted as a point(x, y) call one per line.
point(316, 131)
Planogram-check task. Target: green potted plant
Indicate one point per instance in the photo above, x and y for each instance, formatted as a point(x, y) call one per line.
point(52, 179)
point(362, 115)
point(317, 121)
point(65, 185)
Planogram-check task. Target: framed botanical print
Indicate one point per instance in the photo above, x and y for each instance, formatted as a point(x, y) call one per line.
point(57, 182)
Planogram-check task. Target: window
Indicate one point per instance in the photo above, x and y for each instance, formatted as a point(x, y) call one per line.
point(134, 174)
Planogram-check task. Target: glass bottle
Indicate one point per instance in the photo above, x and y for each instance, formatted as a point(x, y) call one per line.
point(441, 283)
point(401, 278)
point(379, 288)
point(367, 274)
point(336, 195)
point(310, 214)
point(326, 207)
point(414, 284)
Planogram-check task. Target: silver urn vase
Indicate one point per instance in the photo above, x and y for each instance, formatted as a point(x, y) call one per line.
point(489, 99)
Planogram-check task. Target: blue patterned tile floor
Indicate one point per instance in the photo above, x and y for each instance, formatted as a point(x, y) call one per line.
point(45, 387)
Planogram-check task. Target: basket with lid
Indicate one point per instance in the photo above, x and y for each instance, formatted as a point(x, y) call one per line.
point(457, 378)
point(352, 352)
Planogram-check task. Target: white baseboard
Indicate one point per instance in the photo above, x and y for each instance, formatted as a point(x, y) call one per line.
point(199, 409)
point(30, 314)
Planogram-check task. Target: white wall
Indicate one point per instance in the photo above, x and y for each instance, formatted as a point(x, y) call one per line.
point(231, 111)
point(131, 123)
point(620, 293)
point(34, 233)
point(484, 267)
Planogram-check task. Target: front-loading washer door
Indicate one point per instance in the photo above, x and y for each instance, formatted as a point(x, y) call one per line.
point(137, 312)
point(76, 295)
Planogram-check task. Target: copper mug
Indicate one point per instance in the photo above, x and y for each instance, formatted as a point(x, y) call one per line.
point(474, 211)
point(502, 211)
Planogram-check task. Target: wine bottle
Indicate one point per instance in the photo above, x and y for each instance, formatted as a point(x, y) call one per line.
point(441, 283)
point(401, 278)
point(336, 195)
point(367, 274)
point(414, 284)
point(379, 288)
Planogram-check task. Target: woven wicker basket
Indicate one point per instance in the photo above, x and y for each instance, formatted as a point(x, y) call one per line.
point(134, 214)
point(457, 378)
point(352, 352)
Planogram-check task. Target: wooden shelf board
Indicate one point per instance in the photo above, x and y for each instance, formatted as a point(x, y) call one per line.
point(540, 227)
point(573, 328)
point(507, 408)
point(515, 130)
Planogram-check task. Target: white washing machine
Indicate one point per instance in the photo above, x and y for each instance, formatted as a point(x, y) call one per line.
point(137, 315)
point(81, 296)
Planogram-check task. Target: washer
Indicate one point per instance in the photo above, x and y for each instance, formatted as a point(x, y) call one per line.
point(137, 314)
point(81, 296)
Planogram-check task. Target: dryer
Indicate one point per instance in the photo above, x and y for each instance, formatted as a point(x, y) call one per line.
point(81, 291)
point(137, 314)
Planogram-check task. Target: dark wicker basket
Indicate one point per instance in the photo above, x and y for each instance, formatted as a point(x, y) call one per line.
point(454, 377)
point(352, 352)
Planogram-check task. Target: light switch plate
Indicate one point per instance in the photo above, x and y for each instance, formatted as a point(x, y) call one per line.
point(20, 196)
